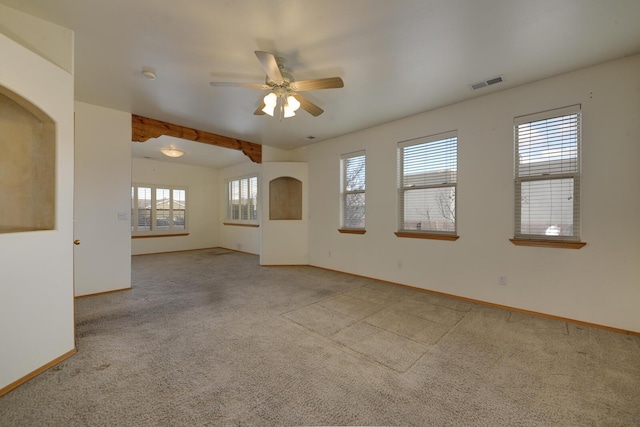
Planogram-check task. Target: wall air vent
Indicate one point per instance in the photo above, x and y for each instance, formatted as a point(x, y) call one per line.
point(485, 83)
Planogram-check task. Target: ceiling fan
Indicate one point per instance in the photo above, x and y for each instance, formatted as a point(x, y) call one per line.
point(283, 98)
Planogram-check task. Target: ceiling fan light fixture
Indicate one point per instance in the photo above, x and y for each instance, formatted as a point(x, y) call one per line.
point(292, 103)
point(288, 112)
point(270, 102)
point(269, 109)
point(172, 152)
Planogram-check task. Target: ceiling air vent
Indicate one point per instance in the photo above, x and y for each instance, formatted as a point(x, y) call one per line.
point(485, 83)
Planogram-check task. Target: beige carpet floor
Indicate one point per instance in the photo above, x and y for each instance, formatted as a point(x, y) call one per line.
point(211, 338)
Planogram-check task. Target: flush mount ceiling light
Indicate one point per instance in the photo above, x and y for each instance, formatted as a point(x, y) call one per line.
point(149, 73)
point(172, 152)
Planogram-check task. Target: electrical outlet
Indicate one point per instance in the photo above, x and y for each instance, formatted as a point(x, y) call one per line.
point(502, 280)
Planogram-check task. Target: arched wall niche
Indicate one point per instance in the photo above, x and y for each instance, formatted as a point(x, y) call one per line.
point(285, 198)
point(27, 165)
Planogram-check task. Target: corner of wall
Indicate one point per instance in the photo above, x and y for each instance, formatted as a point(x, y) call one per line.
point(50, 41)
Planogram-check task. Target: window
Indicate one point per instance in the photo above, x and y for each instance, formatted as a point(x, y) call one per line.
point(427, 177)
point(158, 209)
point(352, 183)
point(547, 175)
point(242, 198)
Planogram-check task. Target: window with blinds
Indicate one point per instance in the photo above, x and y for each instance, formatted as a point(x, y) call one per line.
point(242, 200)
point(158, 209)
point(353, 183)
point(547, 175)
point(427, 179)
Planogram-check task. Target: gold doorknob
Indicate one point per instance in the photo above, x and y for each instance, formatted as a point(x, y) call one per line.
point(76, 242)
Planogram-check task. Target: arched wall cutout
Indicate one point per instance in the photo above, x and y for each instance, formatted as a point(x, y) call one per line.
point(285, 198)
point(27, 165)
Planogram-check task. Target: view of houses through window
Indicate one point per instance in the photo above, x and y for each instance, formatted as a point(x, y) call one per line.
point(427, 178)
point(242, 200)
point(158, 209)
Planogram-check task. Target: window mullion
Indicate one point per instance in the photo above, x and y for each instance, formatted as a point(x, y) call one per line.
point(548, 177)
point(171, 209)
point(134, 214)
point(424, 187)
point(154, 200)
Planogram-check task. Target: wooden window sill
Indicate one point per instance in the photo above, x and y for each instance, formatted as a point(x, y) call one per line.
point(548, 243)
point(351, 231)
point(146, 236)
point(236, 224)
point(433, 236)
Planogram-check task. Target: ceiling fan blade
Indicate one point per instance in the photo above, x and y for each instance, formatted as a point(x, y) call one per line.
point(232, 84)
point(270, 66)
point(259, 111)
point(328, 83)
point(308, 106)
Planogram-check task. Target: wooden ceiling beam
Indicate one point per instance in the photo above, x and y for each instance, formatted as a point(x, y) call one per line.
point(143, 128)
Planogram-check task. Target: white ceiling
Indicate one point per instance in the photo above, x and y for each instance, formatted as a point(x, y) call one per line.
point(397, 58)
point(195, 153)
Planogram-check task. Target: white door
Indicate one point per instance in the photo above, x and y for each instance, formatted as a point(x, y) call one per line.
point(102, 199)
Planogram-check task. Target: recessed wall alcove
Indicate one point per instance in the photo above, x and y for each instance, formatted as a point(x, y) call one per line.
point(27, 165)
point(285, 198)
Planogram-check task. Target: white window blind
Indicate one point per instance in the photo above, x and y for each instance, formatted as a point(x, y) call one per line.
point(547, 175)
point(353, 184)
point(427, 179)
point(242, 200)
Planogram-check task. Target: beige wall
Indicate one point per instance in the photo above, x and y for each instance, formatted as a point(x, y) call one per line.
point(102, 199)
point(599, 283)
point(245, 239)
point(36, 279)
point(50, 41)
point(284, 242)
point(203, 199)
point(206, 204)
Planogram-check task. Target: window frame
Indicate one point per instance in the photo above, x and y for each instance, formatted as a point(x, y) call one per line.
point(228, 208)
point(549, 240)
point(402, 189)
point(153, 230)
point(345, 192)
